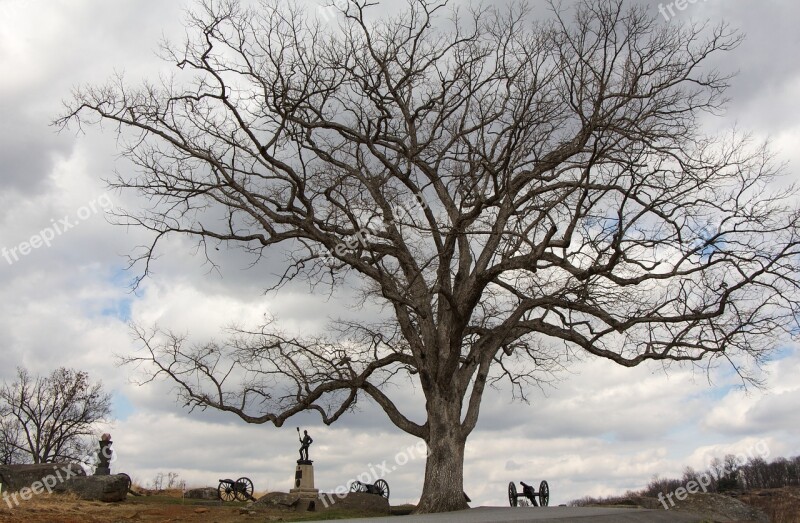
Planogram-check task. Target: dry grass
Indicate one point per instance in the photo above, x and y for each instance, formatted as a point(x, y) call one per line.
point(49, 507)
point(169, 506)
point(781, 505)
point(42, 501)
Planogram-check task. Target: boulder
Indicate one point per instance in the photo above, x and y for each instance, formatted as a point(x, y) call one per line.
point(280, 500)
point(96, 488)
point(202, 493)
point(289, 501)
point(360, 501)
point(17, 477)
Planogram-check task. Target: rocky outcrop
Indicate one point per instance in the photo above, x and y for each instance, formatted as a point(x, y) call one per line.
point(719, 507)
point(17, 477)
point(97, 488)
point(202, 493)
point(359, 501)
point(279, 500)
point(710, 506)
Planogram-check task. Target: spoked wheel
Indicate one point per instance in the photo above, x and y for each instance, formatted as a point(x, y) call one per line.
point(383, 488)
point(544, 493)
point(225, 491)
point(357, 486)
point(244, 489)
point(512, 494)
point(127, 479)
point(129, 483)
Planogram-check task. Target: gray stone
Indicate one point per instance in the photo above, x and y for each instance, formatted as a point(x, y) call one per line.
point(17, 477)
point(351, 500)
point(96, 488)
point(360, 501)
point(202, 493)
point(280, 500)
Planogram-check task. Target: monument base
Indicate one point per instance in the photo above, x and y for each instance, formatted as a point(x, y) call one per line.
point(305, 492)
point(304, 481)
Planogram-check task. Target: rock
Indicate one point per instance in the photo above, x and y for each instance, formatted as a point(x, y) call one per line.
point(360, 501)
point(284, 501)
point(718, 507)
point(279, 500)
point(202, 493)
point(17, 477)
point(710, 506)
point(201, 510)
point(96, 488)
point(351, 500)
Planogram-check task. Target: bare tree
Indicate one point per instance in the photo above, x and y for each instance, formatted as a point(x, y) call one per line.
point(10, 439)
point(172, 480)
point(730, 479)
point(46, 419)
point(158, 481)
point(567, 202)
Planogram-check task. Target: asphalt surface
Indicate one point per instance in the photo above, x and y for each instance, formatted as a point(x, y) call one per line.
point(556, 514)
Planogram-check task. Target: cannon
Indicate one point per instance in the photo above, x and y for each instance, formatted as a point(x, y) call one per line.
point(528, 492)
point(381, 488)
point(241, 489)
point(130, 484)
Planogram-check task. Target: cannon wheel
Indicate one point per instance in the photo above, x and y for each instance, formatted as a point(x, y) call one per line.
point(383, 488)
point(357, 486)
point(130, 484)
point(127, 479)
point(544, 493)
point(512, 494)
point(244, 489)
point(225, 491)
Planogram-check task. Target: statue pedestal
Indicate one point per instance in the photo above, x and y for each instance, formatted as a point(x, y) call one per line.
point(104, 456)
point(304, 480)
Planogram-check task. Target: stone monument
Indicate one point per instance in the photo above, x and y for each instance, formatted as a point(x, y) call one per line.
point(104, 456)
point(304, 473)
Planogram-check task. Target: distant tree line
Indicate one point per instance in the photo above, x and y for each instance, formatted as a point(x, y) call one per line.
point(726, 474)
point(729, 473)
point(167, 481)
point(781, 472)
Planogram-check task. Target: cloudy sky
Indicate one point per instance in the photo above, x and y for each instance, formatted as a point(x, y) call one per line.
point(600, 430)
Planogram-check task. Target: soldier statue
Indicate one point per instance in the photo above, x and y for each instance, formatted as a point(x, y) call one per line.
point(305, 442)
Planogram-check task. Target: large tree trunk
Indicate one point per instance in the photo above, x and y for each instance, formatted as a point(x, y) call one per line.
point(443, 490)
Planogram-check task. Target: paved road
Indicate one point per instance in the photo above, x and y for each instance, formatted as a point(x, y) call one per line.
point(555, 514)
